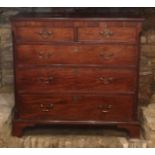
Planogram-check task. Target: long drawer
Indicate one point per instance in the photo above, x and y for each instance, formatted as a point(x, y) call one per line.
point(106, 54)
point(59, 79)
point(77, 107)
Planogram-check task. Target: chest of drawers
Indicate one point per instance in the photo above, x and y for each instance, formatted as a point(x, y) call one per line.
point(76, 71)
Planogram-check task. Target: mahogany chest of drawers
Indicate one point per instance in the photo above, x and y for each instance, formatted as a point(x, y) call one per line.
point(76, 70)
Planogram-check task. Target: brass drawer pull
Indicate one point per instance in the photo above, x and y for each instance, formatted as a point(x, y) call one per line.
point(49, 106)
point(105, 111)
point(106, 33)
point(106, 56)
point(107, 80)
point(46, 108)
point(47, 80)
point(105, 108)
point(45, 34)
point(44, 55)
point(108, 106)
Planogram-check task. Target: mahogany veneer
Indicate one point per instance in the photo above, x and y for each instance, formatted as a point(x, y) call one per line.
point(77, 70)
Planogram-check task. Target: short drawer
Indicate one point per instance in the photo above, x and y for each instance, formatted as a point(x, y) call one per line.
point(41, 34)
point(77, 107)
point(109, 34)
point(107, 54)
point(45, 79)
point(106, 80)
point(59, 79)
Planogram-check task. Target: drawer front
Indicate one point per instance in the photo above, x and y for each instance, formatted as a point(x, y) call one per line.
point(75, 79)
point(101, 34)
point(77, 107)
point(40, 34)
point(106, 80)
point(44, 80)
point(77, 54)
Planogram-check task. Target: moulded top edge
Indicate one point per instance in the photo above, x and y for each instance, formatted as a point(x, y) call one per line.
point(74, 17)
